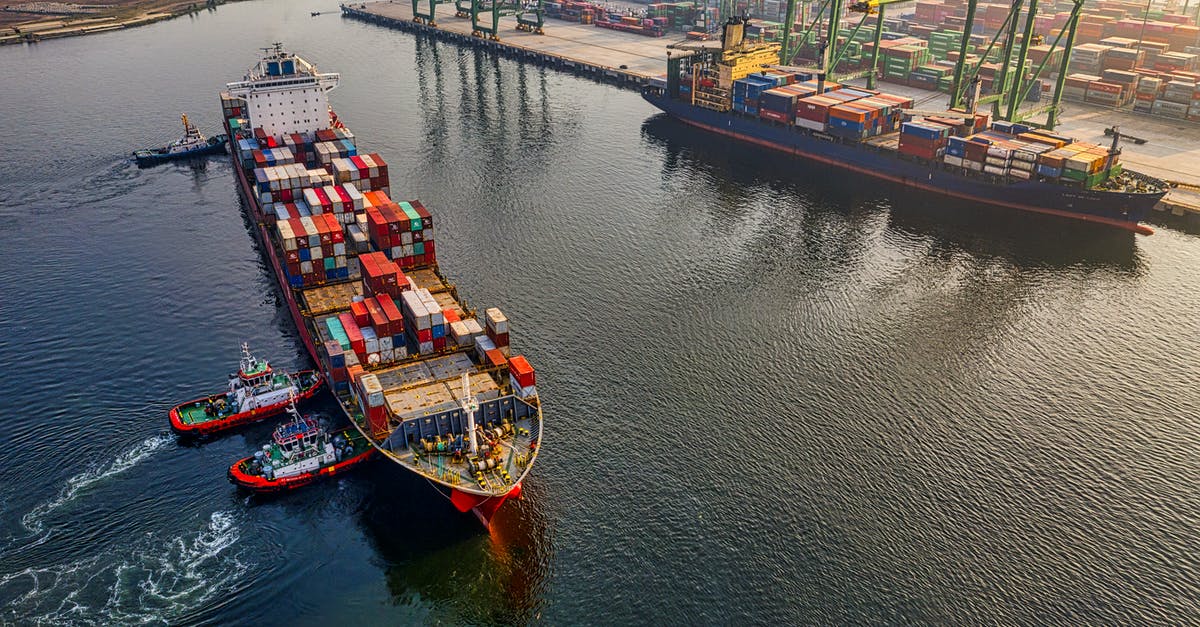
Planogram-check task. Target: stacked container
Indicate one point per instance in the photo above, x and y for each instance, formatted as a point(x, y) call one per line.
point(497, 329)
point(286, 183)
point(925, 140)
point(522, 377)
point(372, 403)
point(403, 231)
point(366, 172)
point(314, 250)
point(425, 324)
point(381, 275)
point(343, 201)
point(748, 90)
point(326, 152)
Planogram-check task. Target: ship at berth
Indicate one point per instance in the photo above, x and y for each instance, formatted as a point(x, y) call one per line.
point(429, 381)
point(737, 90)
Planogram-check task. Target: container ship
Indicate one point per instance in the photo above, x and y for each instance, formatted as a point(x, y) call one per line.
point(430, 382)
point(736, 90)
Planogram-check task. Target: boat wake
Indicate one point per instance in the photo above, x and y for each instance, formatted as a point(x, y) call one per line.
point(34, 521)
point(158, 580)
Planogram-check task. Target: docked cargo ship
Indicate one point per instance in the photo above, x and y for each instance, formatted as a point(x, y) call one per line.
point(430, 382)
point(736, 91)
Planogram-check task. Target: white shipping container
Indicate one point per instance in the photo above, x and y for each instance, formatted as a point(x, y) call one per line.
point(483, 344)
point(387, 355)
point(519, 391)
point(425, 348)
point(385, 343)
point(954, 161)
point(810, 124)
point(991, 169)
point(496, 320)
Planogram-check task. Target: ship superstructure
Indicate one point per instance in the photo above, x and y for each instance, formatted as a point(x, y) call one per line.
point(285, 94)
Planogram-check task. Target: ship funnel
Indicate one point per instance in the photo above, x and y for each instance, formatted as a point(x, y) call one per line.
point(733, 34)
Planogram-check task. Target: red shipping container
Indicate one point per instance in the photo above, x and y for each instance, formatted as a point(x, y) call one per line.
point(362, 316)
point(379, 320)
point(499, 339)
point(776, 116)
point(378, 419)
point(439, 343)
point(424, 335)
point(522, 371)
point(450, 315)
point(353, 333)
point(395, 318)
point(495, 358)
point(426, 217)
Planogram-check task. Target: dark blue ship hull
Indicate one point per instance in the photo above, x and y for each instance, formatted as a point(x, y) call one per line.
point(1120, 209)
point(215, 145)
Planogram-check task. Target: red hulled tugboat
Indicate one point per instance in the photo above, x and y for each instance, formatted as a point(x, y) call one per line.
point(300, 452)
point(256, 392)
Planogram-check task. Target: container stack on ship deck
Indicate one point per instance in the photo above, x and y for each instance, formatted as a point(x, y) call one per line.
point(436, 390)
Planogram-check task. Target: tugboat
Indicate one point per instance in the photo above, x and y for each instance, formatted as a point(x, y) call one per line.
point(190, 145)
point(256, 392)
point(300, 453)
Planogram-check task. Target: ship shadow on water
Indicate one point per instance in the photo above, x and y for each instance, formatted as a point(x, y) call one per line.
point(1024, 238)
point(437, 557)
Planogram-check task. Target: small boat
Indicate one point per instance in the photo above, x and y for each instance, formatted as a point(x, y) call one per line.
point(316, 13)
point(256, 392)
point(192, 144)
point(300, 452)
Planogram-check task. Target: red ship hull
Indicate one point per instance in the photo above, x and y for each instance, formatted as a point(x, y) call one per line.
point(262, 485)
point(241, 418)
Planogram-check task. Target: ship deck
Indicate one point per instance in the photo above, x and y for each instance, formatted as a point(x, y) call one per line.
point(423, 395)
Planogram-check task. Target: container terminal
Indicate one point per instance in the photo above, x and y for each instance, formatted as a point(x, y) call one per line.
point(636, 61)
point(429, 381)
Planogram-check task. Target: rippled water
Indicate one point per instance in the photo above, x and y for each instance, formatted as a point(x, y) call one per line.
point(774, 393)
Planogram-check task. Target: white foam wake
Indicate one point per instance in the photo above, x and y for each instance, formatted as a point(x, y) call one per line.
point(159, 580)
point(35, 519)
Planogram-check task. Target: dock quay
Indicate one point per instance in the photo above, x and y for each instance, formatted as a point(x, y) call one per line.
point(605, 55)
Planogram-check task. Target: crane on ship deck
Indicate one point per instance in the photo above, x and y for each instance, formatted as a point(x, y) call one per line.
point(1012, 81)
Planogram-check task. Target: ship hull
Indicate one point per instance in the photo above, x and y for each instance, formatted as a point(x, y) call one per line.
point(145, 158)
point(1118, 209)
point(261, 485)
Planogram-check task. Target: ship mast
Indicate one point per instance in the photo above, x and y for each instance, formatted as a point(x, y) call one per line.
point(470, 405)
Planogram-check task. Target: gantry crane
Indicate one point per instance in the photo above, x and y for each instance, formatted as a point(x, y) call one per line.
point(1010, 85)
point(831, 54)
point(426, 17)
point(485, 15)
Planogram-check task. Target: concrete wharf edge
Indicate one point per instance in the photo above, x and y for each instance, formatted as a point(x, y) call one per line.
point(400, 17)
